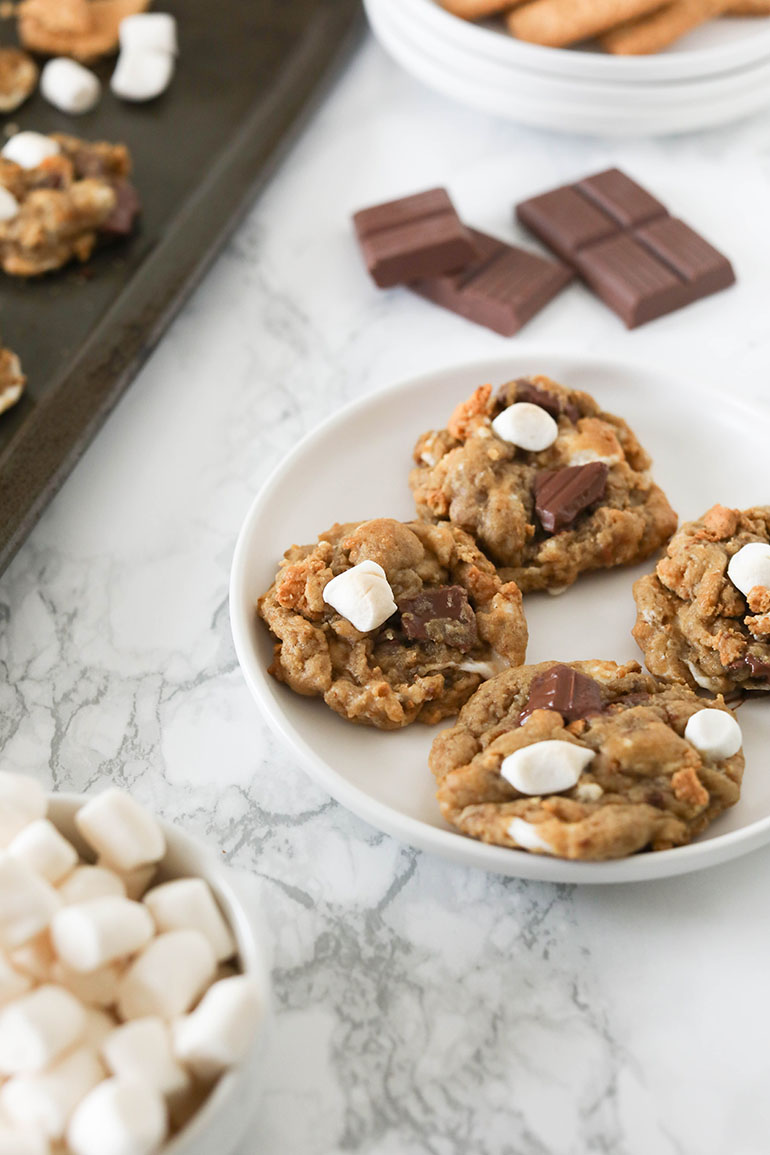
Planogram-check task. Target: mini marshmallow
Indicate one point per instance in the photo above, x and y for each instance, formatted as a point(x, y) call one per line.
point(45, 1101)
point(141, 75)
point(750, 567)
point(29, 149)
point(87, 882)
point(22, 1140)
point(121, 831)
point(119, 1117)
point(169, 975)
point(218, 1032)
point(9, 206)
point(43, 849)
point(714, 733)
point(37, 1028)
point(98, 1025)
point(546, 767)
point(188, 904)
point(98, 988)
point(35, 958)
point(527, 426)
point(525, 835)
point(93, 933)
point(149, 32)
point(27, 903)
point(13, 983)
point(361, 594)
point(22, 800)
point(141, 1049)
point(69, 86)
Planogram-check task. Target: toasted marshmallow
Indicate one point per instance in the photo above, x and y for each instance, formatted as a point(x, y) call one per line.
point(546, 767)
point(527, 426)
point(714, 733)
point(69, 86)
point(363, 595)
point(29, 149)
point(750, 567)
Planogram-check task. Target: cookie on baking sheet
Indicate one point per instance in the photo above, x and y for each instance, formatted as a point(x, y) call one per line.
point(548, 484)
point(18, 78)
point(391, 622)
point(12, 380)
point(587, 760)
point(703, 616)
point(54, 211)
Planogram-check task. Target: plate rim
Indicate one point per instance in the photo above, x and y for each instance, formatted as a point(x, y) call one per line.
point(446, 843)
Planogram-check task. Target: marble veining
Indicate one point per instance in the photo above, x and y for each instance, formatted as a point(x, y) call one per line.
point(421, 1007)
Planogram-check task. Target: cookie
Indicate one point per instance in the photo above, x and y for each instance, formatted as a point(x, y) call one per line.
point(589, 760)
point(12, 380)
point(704, 614)
point(391, 622)
point(64, 204)
point(18, 78)
point(547, 483)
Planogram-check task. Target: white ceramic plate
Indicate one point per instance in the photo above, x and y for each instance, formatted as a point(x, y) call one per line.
point(542, 101)
point(355, 467)
point(717, 46)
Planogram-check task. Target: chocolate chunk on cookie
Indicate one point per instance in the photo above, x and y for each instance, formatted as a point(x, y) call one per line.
point(392, 622)
point(703, 616)
point(548, 483)
point(601, 766)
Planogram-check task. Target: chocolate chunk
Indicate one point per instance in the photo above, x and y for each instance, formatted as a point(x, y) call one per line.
point(120, 222)
point(570, 693)
point(440, 615)
point(756, 666)
point(562, 494)
point(417, 236)
point(622, 241)
point(502, 289)
point(526, 391)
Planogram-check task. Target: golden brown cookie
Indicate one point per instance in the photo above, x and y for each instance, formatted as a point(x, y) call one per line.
point(18, 78)
point(694, 624)
point(449, 624)
point(65, 205)
point(584, 502)
point(84, 29)
point(12, 380)
point(588, 760)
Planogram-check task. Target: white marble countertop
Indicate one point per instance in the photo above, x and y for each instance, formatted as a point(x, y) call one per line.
point(421, 1007)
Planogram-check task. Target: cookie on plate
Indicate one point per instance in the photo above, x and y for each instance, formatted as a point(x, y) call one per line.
point(704, 614)
point(391, 622)
point(71, 198)
point(587, 760)
point(12, 380)
point(548, 484)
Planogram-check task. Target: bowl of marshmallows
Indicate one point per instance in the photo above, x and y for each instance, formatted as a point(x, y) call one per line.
point(134, 992)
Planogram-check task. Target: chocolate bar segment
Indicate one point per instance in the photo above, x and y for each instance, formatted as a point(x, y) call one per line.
point(440, 615)
point(640, 260)
point(502, 289)
point(561, 495)
point(570, 693)
point(416, 236)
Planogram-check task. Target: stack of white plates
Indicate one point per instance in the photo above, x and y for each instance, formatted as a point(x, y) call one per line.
point(716, 74)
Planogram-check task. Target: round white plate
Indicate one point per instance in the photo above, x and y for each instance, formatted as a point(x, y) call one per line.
point(720, 45)
point(539, 102)
point(355, 467)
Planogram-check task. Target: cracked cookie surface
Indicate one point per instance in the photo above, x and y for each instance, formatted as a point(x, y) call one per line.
point(66, 204)
point(645, 786)
point(470, 476)
point(413, 666)
point(693, 625)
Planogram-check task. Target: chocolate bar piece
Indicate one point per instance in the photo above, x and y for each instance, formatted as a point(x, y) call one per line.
point(503, 288)
point(572, 694)
point(562, 494)
point(417, 236)
point(440, 615)
point(623, 242)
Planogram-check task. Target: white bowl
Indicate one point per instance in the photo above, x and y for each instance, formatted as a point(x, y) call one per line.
point(222, 1120)
point(715, 47)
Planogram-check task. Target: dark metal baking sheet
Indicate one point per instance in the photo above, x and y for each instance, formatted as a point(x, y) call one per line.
point(246, 72)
